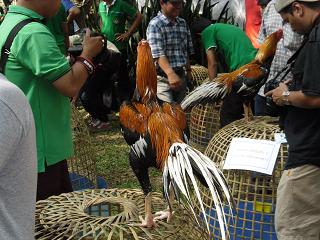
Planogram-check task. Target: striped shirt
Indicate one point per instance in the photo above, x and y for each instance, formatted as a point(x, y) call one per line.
point(170, 39)
point(271, 22)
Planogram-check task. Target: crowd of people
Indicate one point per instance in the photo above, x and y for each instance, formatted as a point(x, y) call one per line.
point(37, 81)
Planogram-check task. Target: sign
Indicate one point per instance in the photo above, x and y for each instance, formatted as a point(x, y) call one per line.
point(251, 154)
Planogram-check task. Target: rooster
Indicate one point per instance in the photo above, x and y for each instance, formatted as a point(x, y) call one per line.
point(156, 137)
point(245, 81)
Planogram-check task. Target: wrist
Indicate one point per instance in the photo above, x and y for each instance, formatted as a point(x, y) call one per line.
point(89, 66)
point(285, 97)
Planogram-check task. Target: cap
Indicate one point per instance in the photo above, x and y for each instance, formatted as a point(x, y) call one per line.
point(281, 4)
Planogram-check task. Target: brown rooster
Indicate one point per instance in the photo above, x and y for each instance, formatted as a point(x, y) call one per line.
point(156, 137)
point(245, 81)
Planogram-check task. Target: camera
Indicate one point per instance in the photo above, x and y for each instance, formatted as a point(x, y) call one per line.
point(272, 109)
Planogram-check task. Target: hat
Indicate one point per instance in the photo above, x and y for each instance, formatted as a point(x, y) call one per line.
point(281, 4)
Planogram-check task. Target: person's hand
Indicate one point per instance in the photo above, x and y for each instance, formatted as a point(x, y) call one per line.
point(122, 36)
point(92, 46)
point(174, 81)
point(276, 94)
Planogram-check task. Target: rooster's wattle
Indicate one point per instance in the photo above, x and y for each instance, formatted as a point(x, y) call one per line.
point(156, 137)
point(245, 81)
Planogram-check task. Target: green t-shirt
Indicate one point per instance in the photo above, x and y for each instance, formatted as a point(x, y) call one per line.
point(233, 43)
point(114, 20)
point(34, 63)
point(55, 26)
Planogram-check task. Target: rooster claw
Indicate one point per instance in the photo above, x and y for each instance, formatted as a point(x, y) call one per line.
point(148, 222)
point(161, 215)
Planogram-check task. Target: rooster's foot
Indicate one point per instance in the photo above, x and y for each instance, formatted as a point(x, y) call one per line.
point(148, 222)
point(166, 214)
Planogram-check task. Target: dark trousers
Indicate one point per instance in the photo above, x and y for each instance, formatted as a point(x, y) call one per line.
point(231, 109)
point(259, 106)
point(54, 181)
point(125, 86)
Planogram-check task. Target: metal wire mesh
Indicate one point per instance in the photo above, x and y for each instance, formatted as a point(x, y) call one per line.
point(82, 166)
point(254, 193)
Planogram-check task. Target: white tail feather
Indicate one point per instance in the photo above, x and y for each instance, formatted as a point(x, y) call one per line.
point(179, 169)
point(208, 91)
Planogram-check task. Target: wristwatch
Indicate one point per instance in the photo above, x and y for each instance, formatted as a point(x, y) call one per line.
point(286, 95)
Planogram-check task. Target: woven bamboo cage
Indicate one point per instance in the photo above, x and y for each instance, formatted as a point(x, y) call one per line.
point(254, 193)
point(111, 214)
point(199, 74)
point(204, 123)
point(82, 166)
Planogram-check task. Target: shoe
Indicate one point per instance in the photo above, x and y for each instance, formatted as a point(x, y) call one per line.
point(99, 126)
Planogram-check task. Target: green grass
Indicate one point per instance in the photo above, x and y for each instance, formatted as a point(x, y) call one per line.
point(112, 159)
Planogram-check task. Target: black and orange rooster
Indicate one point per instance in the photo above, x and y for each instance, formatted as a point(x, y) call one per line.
point(245, 81)
point(156, 137)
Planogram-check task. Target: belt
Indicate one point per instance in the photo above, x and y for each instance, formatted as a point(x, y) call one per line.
point(178, 70)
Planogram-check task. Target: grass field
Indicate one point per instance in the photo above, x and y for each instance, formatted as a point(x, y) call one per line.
point(112, 159)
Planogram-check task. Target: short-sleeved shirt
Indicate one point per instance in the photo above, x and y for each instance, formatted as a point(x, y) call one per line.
point(287, 45)
point(34, 64)
point(55, 26)
point(231, 41)
point(170, 39)
point(114, 20)
point(302, 124)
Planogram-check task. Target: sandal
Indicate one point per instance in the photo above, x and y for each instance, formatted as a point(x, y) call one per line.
point(99, 126)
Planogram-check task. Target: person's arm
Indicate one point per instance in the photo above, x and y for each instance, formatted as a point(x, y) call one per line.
point(70, 83)
point(295, 98)
point(212, 63)
point(74, 12)
point(126, 35)
point(173, 78)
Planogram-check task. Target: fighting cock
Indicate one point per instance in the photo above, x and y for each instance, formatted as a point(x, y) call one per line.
point(156, 137)
point(245, 81)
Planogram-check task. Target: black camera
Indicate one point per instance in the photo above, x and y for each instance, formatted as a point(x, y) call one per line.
point(272, 109)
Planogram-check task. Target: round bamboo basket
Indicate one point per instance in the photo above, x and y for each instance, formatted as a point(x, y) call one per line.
point(107, 214)
point(82, 166)
point(254, 193)
point(204, 123)
point(199, 74)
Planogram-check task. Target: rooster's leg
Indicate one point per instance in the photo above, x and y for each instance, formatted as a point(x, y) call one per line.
point(248, 115)
point(140, 169)
point(167, 213)
point(148, 221)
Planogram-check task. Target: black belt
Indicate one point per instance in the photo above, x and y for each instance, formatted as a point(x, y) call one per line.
point(178, 70)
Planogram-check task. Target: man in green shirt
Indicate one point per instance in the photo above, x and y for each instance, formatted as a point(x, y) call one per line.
point(58, 26)
point(114, 14)
point(36, 65)
point(228, 44)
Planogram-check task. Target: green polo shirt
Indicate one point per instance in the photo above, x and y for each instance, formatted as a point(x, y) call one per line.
point(233, 43)
point(34, 64)
point(55, 26)
point(114, 20)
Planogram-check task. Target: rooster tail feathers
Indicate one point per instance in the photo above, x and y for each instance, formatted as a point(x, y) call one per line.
point(183, 164)
point(208, 91)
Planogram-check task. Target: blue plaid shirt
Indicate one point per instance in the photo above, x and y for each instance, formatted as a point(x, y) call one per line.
point(169, 39)
point(291, 41)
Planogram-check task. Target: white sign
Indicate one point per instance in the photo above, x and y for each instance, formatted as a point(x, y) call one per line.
point(252, 154)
